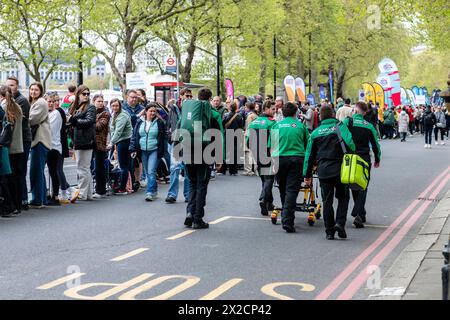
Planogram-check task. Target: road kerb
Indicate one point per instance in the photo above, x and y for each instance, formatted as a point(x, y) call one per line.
point(405, 267)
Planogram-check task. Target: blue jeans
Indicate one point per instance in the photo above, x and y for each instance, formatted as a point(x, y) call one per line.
point(167, 152)
point(37, 176)
point(124, 162)
point(150, 162)
point(174, 181)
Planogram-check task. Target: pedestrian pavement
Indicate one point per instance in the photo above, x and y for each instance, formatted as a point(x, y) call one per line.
point(416, 274)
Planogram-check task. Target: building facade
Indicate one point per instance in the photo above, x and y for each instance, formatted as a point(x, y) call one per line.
point(65, 73)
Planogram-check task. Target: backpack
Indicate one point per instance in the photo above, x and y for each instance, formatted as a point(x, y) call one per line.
point(198, 113)
point(389, 118)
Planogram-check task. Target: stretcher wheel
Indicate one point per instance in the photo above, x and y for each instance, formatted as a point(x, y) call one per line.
point(318, 212)
point(274, 216)
point(311, 219)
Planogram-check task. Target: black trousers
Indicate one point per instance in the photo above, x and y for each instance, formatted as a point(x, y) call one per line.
point(53, 162)
point(100, 172)
point(411, 127)
point(63, 184)
point(199, 175)
point(436, 131)
point(359, 197)
point(428, 135)
point(331, 188)
point(267, 181)
point(289, 180)
point(403, 136)
point(14, 181)
point(389, 131)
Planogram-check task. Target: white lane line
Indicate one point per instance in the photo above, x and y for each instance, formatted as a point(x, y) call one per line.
point(220, 220)
point(60, 281)
point(249, 218)
point(375, 226)
point(129, 254)
point(180, 235)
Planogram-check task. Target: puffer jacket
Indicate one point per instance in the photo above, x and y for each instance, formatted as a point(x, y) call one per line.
point(83, 123)
point(134, 144)
point(403, 121)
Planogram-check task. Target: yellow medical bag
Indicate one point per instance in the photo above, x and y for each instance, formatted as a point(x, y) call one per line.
point(355, 172)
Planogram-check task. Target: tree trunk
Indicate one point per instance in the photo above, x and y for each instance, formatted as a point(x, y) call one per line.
point(300, 68)
point(223, 92)
point(186, 75)
point(340, 80)
point(262, 69)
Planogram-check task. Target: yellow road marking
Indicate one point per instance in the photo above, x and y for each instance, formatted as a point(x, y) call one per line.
point(129, 254)
point(269, 289)
point(220, 220)
point(60, 281)
point(116, 288)
point(189, 281)
point(180, 235)
point(221, 289)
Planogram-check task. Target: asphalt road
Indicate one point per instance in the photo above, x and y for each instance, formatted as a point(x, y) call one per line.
point(48, 253)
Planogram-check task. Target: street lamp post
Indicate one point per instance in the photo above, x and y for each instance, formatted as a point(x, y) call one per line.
point(218, 53)
point(275, 65)
point(80, 46)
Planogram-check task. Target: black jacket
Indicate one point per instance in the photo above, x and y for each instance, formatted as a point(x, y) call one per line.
point(134, 144)
point(238, 122)
point(63, 133)
point(364, 136)
point(430, 114)
point(25, 106)
point(172, 120)
point(83, 124)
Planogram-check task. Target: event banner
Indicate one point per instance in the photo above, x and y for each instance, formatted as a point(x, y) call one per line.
point(311, 99)
point(322, 92)
point(379, 94)
point(385, 82)
point(404, 96)
point(301, 89)
point(411, 97)
point(330, 76)
point(389, 68)
point(289, 86)
point(230, 88)
point(369, 92)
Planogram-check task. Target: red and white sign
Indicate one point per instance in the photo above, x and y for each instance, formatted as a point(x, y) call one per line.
point(171, 62)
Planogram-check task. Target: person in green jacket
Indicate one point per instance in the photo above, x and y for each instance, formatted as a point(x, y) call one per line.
point(288, 140)
point(324, 148)
point(389, 122)
point(257, 140)
point(121, 132)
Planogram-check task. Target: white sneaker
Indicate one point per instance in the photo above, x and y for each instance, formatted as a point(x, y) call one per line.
point(429, 146)
point(98, 196)
point(426, 146)
point(436, 143)
point(442, 143)
point(143, 183)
